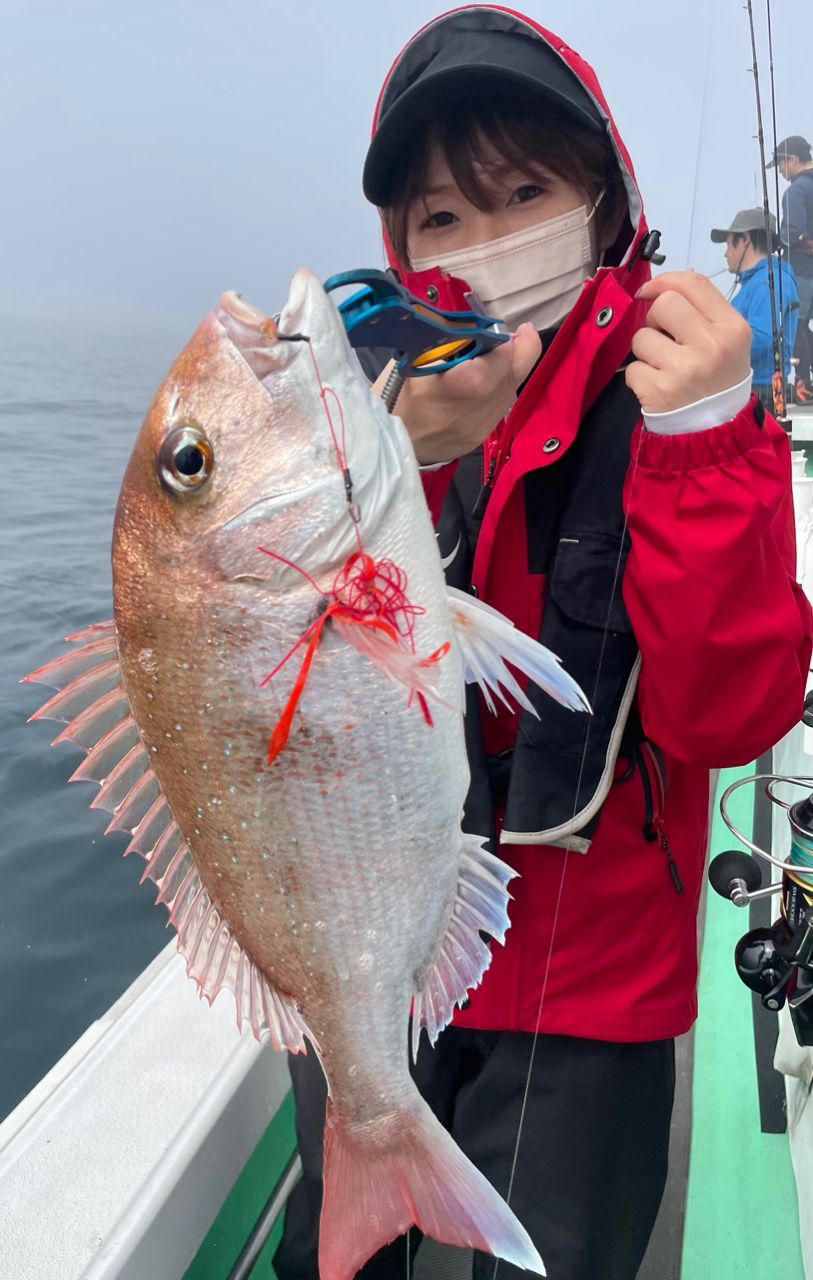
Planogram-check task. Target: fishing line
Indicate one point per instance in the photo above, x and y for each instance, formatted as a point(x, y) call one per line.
point(366, 594)
point(342, 458)
point(736, 281)
point(706, 79)
point(625, 529)
point(341, 449)
point(567, 852)
point(779, 370)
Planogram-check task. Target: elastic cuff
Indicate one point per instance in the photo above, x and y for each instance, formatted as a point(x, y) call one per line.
point(714, 447)
point(712, 411)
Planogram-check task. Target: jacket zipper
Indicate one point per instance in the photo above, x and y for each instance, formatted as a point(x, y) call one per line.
point(663, 841)
point(491, 457)
point(654, 786)
point(479, 508)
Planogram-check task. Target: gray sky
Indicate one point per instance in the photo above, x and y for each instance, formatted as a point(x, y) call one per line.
point(157, 152)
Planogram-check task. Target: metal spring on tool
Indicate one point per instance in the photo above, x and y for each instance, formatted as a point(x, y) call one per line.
point(392, 388)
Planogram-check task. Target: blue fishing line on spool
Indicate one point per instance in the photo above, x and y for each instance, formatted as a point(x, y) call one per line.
point(801, 857)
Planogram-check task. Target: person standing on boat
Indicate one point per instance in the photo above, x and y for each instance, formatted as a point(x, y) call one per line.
point(747, 258)
point(793, 159)
point(654, 554)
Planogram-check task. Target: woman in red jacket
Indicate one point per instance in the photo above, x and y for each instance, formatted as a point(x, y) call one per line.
point(655, 556)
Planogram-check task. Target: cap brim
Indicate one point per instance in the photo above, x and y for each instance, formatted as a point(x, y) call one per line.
point(719, 236)
point(389, 147)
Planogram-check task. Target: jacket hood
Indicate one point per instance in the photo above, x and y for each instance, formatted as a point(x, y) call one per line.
point(485, 19)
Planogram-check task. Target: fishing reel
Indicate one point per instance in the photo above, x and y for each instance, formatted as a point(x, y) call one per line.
point(775, 962)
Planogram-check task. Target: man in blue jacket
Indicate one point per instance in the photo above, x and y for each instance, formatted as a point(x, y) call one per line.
point(748, 259)
point(793, 160)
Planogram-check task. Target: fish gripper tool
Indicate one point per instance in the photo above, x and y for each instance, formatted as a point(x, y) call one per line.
point(423, 339)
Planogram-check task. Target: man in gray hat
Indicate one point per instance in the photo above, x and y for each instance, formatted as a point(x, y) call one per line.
point(793, 160)
point(750, 258)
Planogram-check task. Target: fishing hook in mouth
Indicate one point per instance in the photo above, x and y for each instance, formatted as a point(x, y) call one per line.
point(289, 337)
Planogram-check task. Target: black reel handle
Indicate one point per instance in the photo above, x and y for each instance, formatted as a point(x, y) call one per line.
point(734, 871)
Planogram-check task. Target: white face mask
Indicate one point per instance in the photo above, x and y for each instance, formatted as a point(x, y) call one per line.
point(535, 274)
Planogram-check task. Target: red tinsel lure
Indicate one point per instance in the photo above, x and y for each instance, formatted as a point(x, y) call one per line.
point(366, 593)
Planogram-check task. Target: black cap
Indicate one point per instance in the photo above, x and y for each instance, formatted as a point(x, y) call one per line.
point(464, 62)
point(795, 145)
point(746, 220)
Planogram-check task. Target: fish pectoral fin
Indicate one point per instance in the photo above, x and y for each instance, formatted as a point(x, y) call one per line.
point(489, 640)
point(481, 906)
point(93, 704)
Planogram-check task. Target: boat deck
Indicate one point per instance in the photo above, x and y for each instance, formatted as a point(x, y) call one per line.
point(730, 1207)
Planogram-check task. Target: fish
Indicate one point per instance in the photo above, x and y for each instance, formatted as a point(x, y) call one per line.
point(275, 716)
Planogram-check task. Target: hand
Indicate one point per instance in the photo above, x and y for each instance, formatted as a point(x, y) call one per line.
point(452, 413)
point(694, 343)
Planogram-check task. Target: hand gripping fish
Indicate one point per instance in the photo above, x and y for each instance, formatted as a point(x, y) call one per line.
point(276, 717)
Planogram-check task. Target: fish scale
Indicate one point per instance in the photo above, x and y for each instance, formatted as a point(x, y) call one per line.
point(303, 830)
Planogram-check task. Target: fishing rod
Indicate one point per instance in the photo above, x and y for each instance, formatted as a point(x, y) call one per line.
point(779, 369)
point(776, 185)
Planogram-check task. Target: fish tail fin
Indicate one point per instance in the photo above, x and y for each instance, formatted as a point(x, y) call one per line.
point(410, 1172)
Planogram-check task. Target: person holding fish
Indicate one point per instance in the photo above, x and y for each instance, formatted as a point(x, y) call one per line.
point(610, 483)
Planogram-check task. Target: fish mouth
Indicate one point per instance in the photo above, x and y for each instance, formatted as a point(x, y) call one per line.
point(235, 311)
point(253, 334)
point(263, 341)
point(305, 290)
point(338, 441)
point(268, 345)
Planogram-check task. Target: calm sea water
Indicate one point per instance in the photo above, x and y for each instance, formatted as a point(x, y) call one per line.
point(75, 927)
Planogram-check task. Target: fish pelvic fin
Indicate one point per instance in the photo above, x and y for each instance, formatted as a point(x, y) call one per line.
point(488, 640)
point(481, 906)
point(93, 704)
point(382, 1178)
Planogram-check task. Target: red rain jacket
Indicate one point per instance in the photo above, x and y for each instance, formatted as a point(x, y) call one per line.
point(724, 633)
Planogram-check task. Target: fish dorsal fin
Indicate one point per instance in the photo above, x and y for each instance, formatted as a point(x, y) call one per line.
point(94, 705)
point(481, 905)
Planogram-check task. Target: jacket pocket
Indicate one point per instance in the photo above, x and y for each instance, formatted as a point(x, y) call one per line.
point(586, 577)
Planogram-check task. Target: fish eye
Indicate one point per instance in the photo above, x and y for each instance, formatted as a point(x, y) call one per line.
point(186, 459)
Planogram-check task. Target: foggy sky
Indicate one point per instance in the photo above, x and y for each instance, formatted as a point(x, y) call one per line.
point(158, 152)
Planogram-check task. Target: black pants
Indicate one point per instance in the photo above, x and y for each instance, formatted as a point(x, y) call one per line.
point(803, 350)
point(592, 1158)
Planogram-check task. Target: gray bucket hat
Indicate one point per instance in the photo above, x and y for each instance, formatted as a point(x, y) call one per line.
point(746, 220)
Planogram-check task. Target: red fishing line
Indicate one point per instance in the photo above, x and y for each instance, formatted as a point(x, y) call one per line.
point(366, 592)
point(370, 588)
point(339, 441)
